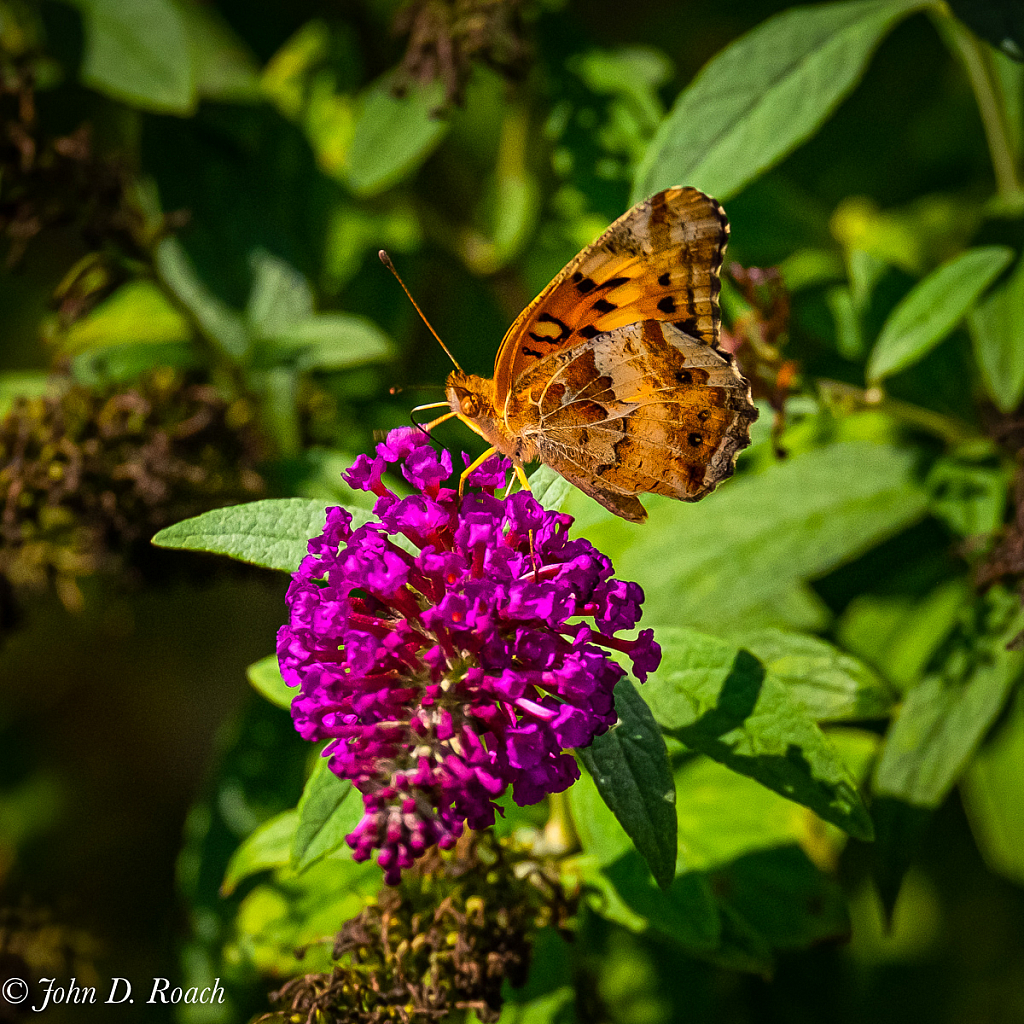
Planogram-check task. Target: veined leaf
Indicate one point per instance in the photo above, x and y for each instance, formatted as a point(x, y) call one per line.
point(933, 308)
point(721, 701)
point(268, 847)
point(629, 765)
point(830, 685)
point(762, 533)
point(764, 94)
point(945, 718)
point(272, 533)
point(330, 808)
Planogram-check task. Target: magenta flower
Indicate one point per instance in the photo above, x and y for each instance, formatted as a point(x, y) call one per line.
point(444, 653)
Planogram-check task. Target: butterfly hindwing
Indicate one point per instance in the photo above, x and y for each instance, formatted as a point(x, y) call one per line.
point(641, 409)
point(659, 261)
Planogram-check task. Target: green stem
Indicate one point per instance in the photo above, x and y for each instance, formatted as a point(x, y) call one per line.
point(952, 431)
point(975, 61)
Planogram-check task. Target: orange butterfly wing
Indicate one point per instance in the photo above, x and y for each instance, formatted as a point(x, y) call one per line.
point(659, 261)
point(612, 375)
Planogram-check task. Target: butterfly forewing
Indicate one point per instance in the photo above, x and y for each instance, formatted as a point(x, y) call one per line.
point(659, 261)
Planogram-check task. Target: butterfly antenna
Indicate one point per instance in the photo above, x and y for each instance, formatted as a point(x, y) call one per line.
point(386, 260)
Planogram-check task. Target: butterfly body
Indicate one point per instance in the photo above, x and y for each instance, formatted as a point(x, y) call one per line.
point(612, 375)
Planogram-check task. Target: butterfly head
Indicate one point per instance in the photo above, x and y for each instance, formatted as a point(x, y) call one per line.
point(472, 400)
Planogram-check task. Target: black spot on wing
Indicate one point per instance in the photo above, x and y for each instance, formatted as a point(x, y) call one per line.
point(613, 282)
point(667, 304)
point(563, 330)
point(590, 331)
point(665, 280)
point(695, 439)
point(604, 306)
point(688, 326)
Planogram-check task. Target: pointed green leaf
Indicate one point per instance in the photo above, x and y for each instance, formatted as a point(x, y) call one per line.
point(138, 51)
point(994, 797)
point(549, 488)
point(329, 810)
point(224, 326)
point(945, 717)
point(765, 94)
point(629, 765)
point(333, 341)
point(265, 677)
point(224, 69)
point(280, 296)
point(997, 333)
point(720, 700)
point(762, 534)
point(933, 308)
point(393, 135)
point(830, 685)
point(271, 533)
point(268, 847)
point(137, 313)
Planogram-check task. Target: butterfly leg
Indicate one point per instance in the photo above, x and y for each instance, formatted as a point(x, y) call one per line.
point(472, 466)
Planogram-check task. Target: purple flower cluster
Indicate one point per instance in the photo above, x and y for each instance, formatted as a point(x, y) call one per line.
point(442, 650)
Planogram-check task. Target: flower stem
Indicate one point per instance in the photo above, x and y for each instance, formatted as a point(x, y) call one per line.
point(971, 53)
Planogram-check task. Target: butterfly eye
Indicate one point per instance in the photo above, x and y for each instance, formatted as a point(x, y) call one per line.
point(470, 406)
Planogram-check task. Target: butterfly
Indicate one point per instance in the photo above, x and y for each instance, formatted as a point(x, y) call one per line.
point(613, 375)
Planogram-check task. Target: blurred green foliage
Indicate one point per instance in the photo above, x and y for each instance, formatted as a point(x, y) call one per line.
point(832, 747)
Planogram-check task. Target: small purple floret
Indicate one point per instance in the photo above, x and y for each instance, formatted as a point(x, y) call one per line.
point(443, 676)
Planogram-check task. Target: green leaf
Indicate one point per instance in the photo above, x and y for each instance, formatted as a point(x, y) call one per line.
point(724, 815)
point(760, 535)
point(329, 810)
point(292, 911)
point(765, 94)
point(138, 51)
point(265, 677)
point(720, 700)
point(137, 313)
point(997, 333)
point(392, 136)
point(280, 296)
point(268, 847)
point(933, 308)
point(994, 797)
point(685, 911)
point(224, 69)
point(629, 765)
point(970, 499)
point(219, 322)
point(549, 488)
point(271, 533)
point(828, 684)
point(945, 717)
point(783, 898)
point(333, 341)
